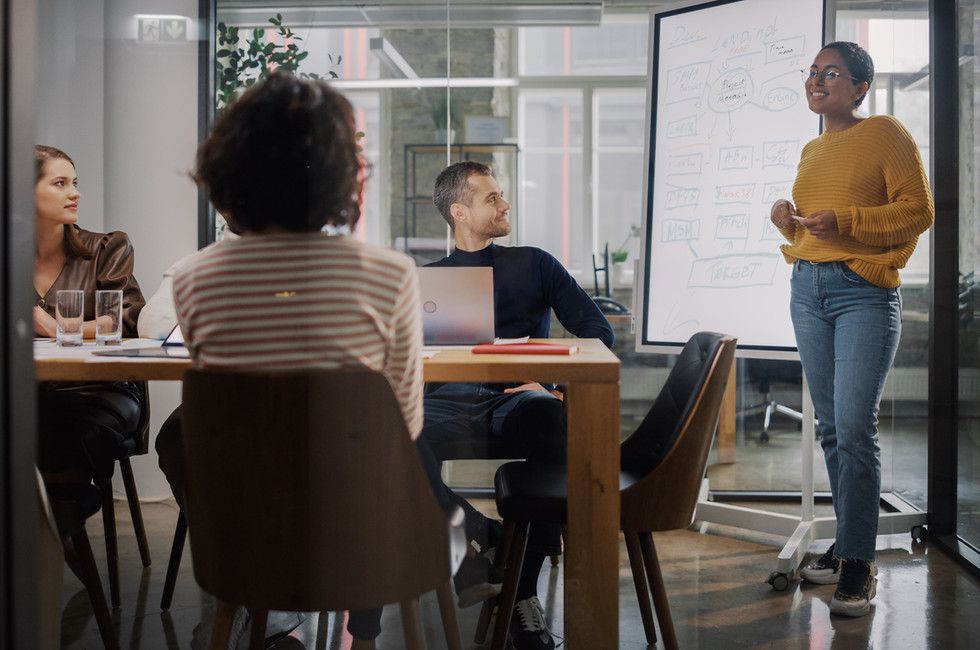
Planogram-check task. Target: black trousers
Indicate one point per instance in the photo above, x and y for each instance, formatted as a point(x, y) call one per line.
point(81, 426)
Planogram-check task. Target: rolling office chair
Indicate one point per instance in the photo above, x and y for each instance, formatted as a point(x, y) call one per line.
point(765, 372)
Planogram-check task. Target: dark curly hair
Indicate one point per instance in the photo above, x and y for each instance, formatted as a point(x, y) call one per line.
point(452, 186)
point(284, 154)
point(858, 62)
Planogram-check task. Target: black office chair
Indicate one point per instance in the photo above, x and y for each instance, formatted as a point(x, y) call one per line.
point(135, 443)
point(119, 408)
point(766, 372)
point(661, 471)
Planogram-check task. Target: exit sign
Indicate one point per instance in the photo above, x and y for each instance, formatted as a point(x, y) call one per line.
point(162, 29)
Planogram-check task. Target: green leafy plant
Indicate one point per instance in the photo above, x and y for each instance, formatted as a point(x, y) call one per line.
point(241, 62)
point(436, 99)
point(621, 254)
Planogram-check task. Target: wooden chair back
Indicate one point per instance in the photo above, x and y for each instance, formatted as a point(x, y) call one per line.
point(666, 496)
point(305, 492)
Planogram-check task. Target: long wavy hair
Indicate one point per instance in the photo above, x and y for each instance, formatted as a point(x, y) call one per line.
point(73, 244)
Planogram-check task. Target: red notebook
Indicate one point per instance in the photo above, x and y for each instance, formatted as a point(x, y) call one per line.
point(525, 348)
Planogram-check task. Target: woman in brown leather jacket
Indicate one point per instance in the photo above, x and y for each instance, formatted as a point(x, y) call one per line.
point(80, 426)
point(68, 257)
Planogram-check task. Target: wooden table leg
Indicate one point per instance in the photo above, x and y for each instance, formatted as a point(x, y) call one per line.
point(592, 547)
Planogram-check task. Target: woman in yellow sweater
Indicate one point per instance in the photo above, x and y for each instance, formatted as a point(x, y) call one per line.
point(861, 200)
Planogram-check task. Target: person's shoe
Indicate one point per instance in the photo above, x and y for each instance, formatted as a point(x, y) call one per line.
point(855, 590)
point(476, 580)
point(825, 571)
point(528, 631)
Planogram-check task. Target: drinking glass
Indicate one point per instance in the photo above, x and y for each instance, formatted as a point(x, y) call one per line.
point(70, 314)
point(108, 317)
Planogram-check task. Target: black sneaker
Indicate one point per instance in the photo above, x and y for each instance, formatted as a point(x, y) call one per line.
point(476, 580)
point(855, 590)
point(528, 631)
point(825, 571)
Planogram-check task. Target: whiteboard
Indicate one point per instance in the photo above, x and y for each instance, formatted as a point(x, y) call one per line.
point(728, 120)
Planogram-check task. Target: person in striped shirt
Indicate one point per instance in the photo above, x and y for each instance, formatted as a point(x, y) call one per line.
point(282, 164)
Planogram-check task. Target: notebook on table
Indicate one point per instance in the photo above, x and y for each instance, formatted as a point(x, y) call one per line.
point(457, 304)
point(172, 347)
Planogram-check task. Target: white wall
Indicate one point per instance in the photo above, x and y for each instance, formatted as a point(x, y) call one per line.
point(127, 113)
point(150, 140)
point(70, 92)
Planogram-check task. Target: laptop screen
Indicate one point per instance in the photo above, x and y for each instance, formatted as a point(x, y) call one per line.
point(176, 337)
point(457, 304)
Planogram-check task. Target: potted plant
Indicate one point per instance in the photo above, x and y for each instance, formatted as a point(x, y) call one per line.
point(445, 130)
point(241, 62)
point(239, 65)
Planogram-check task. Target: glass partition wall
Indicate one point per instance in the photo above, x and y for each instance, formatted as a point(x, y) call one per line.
point(967, 423)
point(555, 102)
point(556, 96)
point(554, 99)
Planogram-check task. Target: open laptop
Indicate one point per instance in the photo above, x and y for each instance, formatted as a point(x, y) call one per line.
point(172, 346)
point(457, 304)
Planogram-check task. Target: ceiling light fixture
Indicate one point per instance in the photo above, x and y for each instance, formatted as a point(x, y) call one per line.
point(392, 59)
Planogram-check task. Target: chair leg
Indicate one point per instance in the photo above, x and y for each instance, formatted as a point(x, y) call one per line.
point(111, 548)
point(640, 583)
point(448, 611)
point(656, 578)
point(499, 563)
point(224, 616)
point(176, 550)
point(256, 640)
point(505, 601)
point(133, 497)
point(81, 550)
point(412, 624)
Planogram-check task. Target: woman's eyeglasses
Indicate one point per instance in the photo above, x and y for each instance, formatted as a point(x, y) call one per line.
point(826, 75)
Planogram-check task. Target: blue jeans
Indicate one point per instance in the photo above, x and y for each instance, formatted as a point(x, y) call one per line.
point(847, 332)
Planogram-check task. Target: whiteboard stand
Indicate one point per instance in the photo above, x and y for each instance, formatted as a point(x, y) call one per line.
point(805, 529)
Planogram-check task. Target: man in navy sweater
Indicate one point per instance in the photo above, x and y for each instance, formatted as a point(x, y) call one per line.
point(529, 418)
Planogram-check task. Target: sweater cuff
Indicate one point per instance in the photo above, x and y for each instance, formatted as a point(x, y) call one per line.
point(845, 218)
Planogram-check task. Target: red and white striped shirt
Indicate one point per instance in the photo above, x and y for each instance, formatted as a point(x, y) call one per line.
point(298, 300)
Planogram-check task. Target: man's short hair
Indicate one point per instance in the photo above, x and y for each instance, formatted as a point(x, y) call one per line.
point(452, 186)
point(284, 154)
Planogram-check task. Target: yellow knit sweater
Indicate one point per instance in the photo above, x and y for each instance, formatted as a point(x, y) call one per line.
point(871, 176)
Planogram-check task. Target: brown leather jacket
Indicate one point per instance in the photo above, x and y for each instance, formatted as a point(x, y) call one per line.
point(111, 267)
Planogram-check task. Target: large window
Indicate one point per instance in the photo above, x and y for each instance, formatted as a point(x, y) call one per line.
point(572, 100)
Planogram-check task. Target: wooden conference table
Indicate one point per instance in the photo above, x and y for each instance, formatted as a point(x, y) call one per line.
point(591, 379)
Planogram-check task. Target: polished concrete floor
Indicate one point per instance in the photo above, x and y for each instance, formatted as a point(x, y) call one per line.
point(715, 579)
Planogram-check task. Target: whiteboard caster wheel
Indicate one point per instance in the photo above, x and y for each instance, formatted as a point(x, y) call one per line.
point(778, 581)
point(919, 533)
point(764, 437)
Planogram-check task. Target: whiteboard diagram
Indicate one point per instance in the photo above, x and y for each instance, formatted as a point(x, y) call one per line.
point(728, 122)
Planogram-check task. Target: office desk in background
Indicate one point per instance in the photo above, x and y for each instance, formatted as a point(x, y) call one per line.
point(591, 379)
